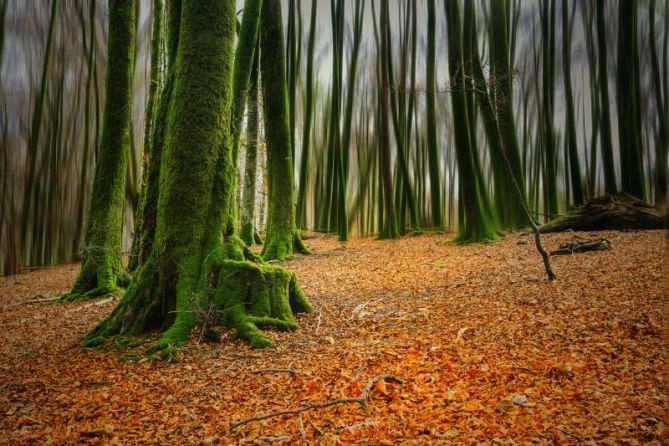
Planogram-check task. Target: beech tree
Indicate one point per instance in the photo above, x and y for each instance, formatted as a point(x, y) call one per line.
point(197, 260)
point(102, 271)
point(282, 238)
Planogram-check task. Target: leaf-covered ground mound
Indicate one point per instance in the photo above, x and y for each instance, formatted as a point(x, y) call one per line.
point(490, 352)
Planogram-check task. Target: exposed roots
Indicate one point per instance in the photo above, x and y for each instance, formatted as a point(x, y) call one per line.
point(100, 275)
point(248, 296)
point(283, 246)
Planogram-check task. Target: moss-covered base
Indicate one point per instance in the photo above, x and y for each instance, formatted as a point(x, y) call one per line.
point(283, 245)
point(241, 294)
point(249, 235)
point(99, 276)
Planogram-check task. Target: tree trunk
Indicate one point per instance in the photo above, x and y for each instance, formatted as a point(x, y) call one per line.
point(477, 223)
point(102, 271)
point(197, 261)
point(154, 81)
point(244, 58)
point(610, 186)
point(574, 164)
point(248, 232)
point(628, 96)
point(282, 238)
point(436, 205)
point(308, 116)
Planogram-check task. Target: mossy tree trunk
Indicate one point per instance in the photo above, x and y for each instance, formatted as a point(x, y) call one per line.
point(572, 144)
point(610, 186)
point(509, 209)
point(308, 117)
point(628, 91)
point(102, 271)
point(149, 208)
point(436, 204)
point(282, 238)
point(248, 232)
point(154, 84)
point(244, 59)
point(197, 261)
point(477, 223)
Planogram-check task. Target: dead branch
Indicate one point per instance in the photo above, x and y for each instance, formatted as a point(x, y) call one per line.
point(601, 244)
point(37, 300)
point(360, 399)
point(300, 426)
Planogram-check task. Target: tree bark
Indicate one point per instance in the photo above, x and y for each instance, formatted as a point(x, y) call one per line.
point(282, 238)
point(102, 271)
point(197, 261)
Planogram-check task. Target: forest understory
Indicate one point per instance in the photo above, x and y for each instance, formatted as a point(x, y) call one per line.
point(488, 349)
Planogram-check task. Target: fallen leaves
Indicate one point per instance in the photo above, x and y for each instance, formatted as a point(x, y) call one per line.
point(491, 353)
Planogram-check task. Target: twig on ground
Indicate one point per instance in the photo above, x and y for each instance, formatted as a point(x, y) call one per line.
point(520, 367)
point(37, 300)
point(360, 425)
point(259, 371)
point(360, 399)
point(274, 438)
point(316, 428)
point(97, 304)
point(300, 427)
point(318, 325)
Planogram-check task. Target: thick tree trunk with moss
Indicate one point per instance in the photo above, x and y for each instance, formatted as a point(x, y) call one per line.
point(248, 232)
point(102, 271)
point(282, 238)
point(197, 261)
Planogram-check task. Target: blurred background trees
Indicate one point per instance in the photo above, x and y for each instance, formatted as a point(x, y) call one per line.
point(579, 91)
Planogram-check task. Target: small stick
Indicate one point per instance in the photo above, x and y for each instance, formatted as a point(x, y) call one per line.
point(300, 427)
point(37, 301)
point(318, 325)
point(316, 428)
point(360, 399)
point(258, 371)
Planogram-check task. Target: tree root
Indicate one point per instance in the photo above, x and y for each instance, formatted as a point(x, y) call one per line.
point(99, 277)
point(242, 295)
point(284, 246)
point(360, 399)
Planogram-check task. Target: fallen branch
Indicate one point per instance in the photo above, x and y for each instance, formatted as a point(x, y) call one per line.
point(360, 399)
point(38, 300)
point(601, 244)
point(259, 371)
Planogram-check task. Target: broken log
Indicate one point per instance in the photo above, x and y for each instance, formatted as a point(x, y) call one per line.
point(601, 244)
point(617, 212)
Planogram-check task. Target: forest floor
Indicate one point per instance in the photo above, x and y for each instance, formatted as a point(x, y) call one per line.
point(490, 352)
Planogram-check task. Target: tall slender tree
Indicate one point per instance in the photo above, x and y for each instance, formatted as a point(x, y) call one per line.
point(248, 231)
point(154, 86)
point(572, 144)
point(610, 186)
point(282, 238)
point(102, 271)
point(308, 118)
point(436, 205)
point(477, 222)
point(628, 94)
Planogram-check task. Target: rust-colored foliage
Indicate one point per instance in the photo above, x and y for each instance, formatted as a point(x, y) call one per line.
point(488, 349)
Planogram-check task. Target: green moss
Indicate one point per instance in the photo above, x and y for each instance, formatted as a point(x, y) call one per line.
point(102, 271)
point(196, 259)
point(282, 238)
